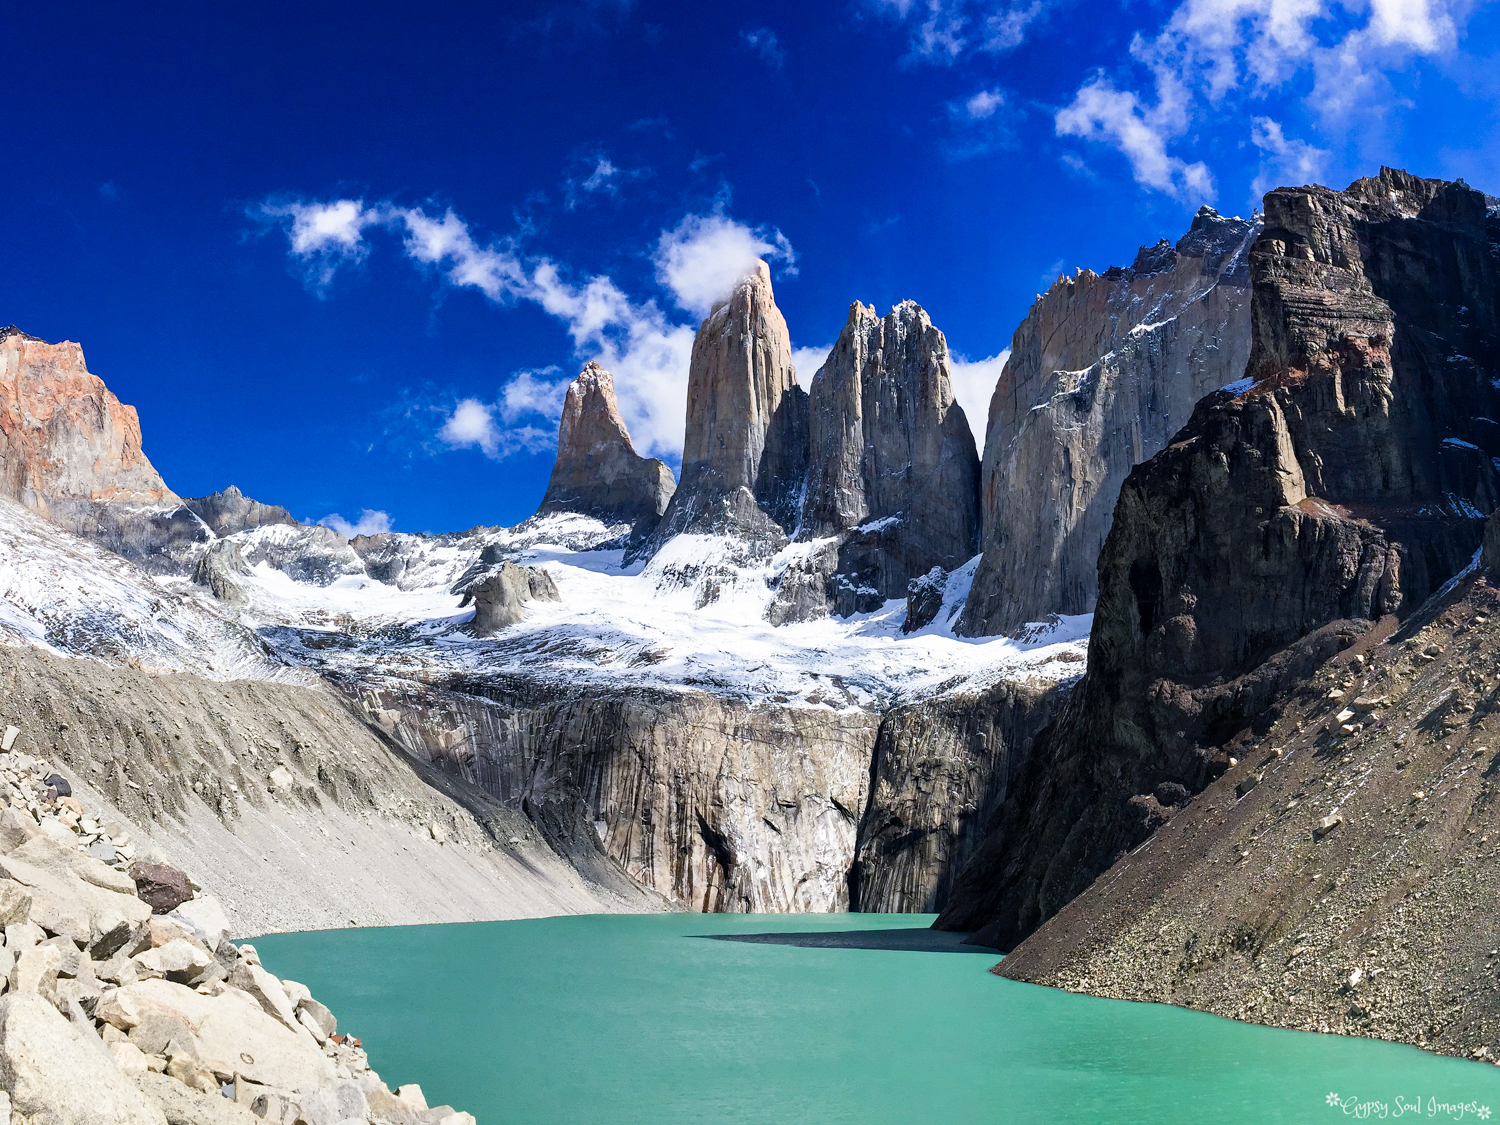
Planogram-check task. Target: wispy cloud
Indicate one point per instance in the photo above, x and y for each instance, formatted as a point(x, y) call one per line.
point(940, 32)
point(598, 176)
point(762, 41)
point(1283, 160)
point(980, 123)
point(696, 261)
point(369, 523)
point(1212, 57)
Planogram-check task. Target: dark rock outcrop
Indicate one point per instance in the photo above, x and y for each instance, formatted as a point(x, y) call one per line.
point(744, 456)
point(940, 773)
point(893, 471)
point(160, 886)
point(597, 471)
point(1102, 372)
point(231, 511)
point(1348, 483)
point(500, 599)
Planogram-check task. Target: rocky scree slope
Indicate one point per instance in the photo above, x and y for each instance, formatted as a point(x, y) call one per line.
point(1348, 482)
point(1342, 874)
point(126, 1004)
point(1102, 372)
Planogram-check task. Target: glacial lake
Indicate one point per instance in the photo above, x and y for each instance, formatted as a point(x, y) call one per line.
point(626, 1019)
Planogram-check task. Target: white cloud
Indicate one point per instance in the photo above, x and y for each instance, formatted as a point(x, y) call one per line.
point(942, 31)
point(973, 387)
point(1212, 55)
point(763, 42)
point(1099, 112)
point(531, 392)
point(323, 236)
point(702, 257)
point(808, 360)
point(369, 523)
point(472, 424)
point(1283, 161)
point(983, 104)
point(698, 261)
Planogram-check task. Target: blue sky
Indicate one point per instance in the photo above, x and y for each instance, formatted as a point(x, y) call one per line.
point(346, 258)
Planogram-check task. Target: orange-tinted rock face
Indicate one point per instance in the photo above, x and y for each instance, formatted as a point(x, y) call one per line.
point(63, 435)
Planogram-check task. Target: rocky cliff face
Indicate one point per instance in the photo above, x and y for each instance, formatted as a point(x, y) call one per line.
point(893, 472)
point(1349, 482)
point(940, 773)
point(71, 451)
point(744, 454)
point(1102, 372)
point(597, 471)
point(722, 806)
point(231, 511)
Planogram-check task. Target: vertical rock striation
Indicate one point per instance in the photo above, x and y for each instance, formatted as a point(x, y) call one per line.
point(598, 472)
point(892, 466)
point(744, 454)
point(1349, 482)
point(1102, 372)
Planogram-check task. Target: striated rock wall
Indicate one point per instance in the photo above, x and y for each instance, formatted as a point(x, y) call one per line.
point(597, 471)
point(744, 454)
point(1102, 372)
point(893, 468)
point(1348, 483)
point(941, 770)
point(722, 806)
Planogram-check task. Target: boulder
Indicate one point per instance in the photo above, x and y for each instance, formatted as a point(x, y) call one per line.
point(323, 1021)
point(267, 992)
point(500, 598)
point(598, 472)
point(9, 738)
point(55, 1078)
point(181, 960)
point(232, 1035)
point(162, 887)
point(35, 972)
point(75, 895)
point(15, 902)
point(16, 827)
point(204, 917)
point(183, 1105)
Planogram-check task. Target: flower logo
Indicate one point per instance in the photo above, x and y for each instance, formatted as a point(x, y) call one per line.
point(1333, 1099)
point(1483, 1113)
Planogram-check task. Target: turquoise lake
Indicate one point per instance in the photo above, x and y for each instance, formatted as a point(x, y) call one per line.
point(623, 1019)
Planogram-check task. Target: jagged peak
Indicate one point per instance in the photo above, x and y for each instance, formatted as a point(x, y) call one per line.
point(11, 330)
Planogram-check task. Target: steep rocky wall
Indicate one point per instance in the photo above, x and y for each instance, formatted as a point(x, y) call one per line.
point(893, 471)
point(722, 806)
point(941, 771)
point(1346, 484)
point(1102, 372)
point(187, 764)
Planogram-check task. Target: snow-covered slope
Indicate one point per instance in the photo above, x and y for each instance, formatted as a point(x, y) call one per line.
point(61, 593)
point(694, 616)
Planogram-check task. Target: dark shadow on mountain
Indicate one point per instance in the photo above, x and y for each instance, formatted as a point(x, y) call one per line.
point(909, 940)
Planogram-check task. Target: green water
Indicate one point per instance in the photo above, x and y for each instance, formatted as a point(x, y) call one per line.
point(618, 1020)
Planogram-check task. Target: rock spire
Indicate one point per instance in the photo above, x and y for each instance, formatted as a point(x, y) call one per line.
point(597, 471)
point(893, 469)
point(744, 454)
